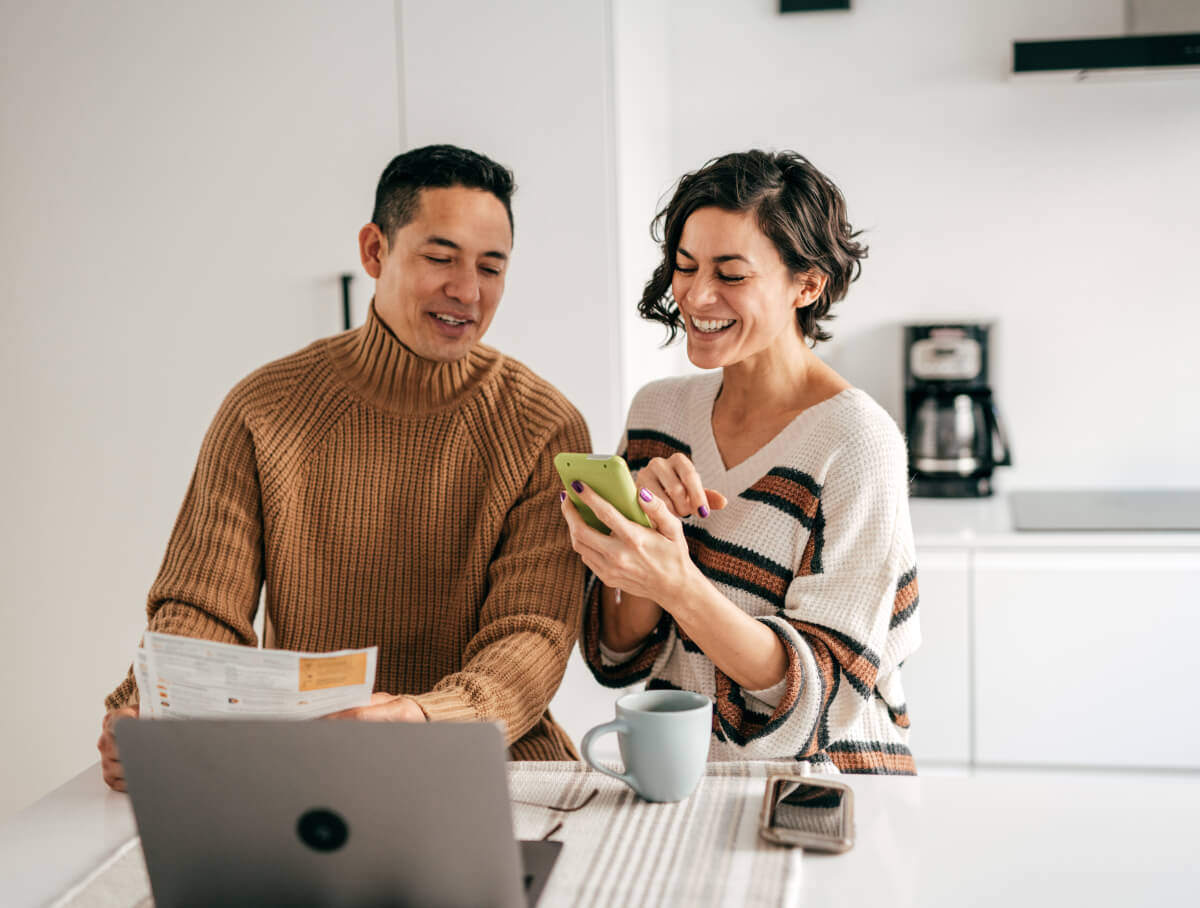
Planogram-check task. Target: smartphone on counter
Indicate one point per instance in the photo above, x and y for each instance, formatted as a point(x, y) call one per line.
point(609, 477)
point(813, 813)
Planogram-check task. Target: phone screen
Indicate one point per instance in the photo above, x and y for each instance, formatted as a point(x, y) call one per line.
point(810, 813)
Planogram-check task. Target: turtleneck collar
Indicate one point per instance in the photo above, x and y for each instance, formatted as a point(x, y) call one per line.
point(386, 373)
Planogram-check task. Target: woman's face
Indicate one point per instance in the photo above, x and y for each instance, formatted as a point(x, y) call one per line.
point(736, 296)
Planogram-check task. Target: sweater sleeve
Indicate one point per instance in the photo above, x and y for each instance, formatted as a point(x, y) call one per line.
point(530, 618)
point(656, 648)
point(208, 584)
point(854, 576)
point(640, 663)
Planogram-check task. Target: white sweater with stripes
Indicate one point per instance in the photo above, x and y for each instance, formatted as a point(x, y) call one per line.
point(815, 542)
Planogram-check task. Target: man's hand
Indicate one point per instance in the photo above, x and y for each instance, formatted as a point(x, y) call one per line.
point(110, 760)
point(384, 708)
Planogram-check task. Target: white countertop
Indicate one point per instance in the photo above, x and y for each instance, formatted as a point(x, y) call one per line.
point(987, 523)
point(991, 839)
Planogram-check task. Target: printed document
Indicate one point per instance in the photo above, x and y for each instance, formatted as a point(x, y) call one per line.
point(186, 678)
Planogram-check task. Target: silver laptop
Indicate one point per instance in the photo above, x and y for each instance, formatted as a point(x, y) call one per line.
point(338, 813)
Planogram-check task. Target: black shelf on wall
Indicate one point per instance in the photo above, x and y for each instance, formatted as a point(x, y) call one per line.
point(811, 6)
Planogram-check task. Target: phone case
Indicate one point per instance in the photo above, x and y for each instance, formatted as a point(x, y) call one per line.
point(609, 477)
point(828, 828)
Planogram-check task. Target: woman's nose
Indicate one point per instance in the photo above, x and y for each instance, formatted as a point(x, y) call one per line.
point(699, 289)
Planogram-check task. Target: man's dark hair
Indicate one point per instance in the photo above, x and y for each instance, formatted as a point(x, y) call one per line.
point(798, 208)
point(435, 167)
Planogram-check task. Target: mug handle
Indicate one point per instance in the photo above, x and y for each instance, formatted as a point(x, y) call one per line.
point(617, 725)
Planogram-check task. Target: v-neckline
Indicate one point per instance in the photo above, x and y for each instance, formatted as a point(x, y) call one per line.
point(706, 455)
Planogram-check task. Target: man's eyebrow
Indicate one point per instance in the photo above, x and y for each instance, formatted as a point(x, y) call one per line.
point(450, 244)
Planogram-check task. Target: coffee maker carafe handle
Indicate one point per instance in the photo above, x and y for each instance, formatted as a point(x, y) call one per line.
point(1002, 458)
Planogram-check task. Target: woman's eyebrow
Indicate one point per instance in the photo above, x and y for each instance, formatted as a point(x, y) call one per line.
point(719, 259)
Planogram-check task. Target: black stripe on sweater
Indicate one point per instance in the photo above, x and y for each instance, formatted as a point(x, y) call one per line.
point(646, 444)
point(700, 539)
point(661, 684)
point(866, 747)
point(795, 493)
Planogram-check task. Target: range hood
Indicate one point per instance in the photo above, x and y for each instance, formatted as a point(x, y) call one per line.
point(1161, 37)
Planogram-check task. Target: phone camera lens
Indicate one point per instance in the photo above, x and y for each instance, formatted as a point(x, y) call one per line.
point(322, 830)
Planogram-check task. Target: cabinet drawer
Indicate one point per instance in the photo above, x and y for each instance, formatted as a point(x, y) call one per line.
point(936, 675)
point(1086, 658)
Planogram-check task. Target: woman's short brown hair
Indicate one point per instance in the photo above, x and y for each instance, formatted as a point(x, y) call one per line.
point(798, 208)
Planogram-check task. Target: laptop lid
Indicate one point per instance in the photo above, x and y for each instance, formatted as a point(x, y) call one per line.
point(339, 813)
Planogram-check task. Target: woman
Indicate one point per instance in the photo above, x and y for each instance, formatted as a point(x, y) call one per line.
point(780, 576)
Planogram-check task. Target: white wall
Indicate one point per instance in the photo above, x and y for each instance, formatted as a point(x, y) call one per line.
point(645, 176)
point(529, 84)
point(1067, 212)
point(180, 185)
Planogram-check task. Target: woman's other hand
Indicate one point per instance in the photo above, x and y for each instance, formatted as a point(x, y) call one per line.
point(675, 481)
point(650, 563)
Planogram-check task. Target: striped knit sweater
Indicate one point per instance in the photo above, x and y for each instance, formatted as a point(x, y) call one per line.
point(387, 500)
point(817, 544)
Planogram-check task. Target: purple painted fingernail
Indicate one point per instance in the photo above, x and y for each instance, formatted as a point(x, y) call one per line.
point(703, 511)
point(646, 496)
point(577, 486)
point(562, 496)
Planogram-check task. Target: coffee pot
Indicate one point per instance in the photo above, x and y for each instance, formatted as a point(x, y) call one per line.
point(955, 435)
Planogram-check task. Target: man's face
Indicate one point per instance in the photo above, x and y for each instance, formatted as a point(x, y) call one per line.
point(439, 278)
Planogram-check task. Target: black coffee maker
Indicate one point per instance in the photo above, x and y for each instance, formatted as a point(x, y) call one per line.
point(955, 437)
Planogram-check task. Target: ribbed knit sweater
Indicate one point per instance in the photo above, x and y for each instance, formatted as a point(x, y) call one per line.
point(816, 543)
point(387, 500)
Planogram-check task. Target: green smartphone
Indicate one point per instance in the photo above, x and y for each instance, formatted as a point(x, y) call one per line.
point(608, 476)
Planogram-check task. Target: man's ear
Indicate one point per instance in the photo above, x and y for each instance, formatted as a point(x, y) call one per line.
point(372, 247)
point(809, 286)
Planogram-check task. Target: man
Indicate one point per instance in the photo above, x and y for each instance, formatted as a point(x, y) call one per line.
point(394, 485)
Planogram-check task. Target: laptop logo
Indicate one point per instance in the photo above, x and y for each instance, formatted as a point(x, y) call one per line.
point(322, 830)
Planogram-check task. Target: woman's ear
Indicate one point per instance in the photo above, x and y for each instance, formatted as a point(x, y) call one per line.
point(809, 286)
point(372, 247)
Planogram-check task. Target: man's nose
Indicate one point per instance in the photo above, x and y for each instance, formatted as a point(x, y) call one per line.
point(464, 286)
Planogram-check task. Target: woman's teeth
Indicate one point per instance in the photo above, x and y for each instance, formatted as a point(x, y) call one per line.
point(708, 326)
point(450, 321)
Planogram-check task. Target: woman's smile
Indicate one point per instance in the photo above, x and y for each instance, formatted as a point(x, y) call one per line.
point(710, 326)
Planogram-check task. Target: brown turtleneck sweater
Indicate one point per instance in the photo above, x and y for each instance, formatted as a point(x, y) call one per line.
point(387, 500)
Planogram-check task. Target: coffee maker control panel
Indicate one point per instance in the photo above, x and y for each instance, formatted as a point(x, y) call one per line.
point(949, 357)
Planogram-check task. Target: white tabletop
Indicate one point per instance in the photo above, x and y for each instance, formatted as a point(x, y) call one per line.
point(994, 839)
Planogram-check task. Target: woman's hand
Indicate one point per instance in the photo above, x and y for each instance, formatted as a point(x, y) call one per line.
point(655, 564)
point(674, 480)
point(651, 563)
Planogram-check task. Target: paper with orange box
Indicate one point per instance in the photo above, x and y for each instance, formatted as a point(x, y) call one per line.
point(186, 678)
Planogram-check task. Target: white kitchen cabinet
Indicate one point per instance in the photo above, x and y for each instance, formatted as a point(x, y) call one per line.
point(1086, 657)
point(937, 676)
